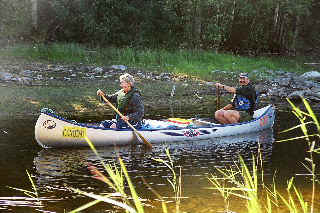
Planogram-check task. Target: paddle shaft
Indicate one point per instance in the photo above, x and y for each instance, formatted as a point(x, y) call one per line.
point(218, 97)
point(129, 124)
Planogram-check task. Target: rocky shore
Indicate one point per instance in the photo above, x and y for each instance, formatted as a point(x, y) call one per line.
point(278, 85)
point(71, 88)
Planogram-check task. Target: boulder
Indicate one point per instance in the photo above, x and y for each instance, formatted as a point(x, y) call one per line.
point(5, 76)
point(119, 67)
point(313, 75)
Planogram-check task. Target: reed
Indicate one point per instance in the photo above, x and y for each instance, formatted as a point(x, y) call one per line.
point(175, 181)
point(34, 193)
point(306, 119)
point(116, 181)
point(240, 182)
point(245, 183)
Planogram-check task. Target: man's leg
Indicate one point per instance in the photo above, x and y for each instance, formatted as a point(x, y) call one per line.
point(232, 116)
point(220, 116)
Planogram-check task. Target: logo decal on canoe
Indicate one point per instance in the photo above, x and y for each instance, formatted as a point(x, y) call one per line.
point(49, 124)
point(264, 120)
point(191, 133)
point(74, 132)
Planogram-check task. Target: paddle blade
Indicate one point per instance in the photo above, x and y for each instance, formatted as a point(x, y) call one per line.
point(143, 139)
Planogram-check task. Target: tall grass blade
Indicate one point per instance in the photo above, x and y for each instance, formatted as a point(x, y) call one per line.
point(32, 194)
point(86, 206)
point(105, 199)
point(313, 116)
point(134, 194)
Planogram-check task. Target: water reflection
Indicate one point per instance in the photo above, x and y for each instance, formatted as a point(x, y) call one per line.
point(59, 167)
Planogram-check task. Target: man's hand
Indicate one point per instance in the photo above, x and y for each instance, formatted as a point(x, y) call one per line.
point(220, 86)
point(125, 118)
point(100, 93)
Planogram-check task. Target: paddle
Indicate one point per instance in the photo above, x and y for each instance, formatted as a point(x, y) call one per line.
point(218, 97)
point(129, 124)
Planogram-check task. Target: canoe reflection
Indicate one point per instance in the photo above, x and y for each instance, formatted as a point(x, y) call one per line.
point(65, 166)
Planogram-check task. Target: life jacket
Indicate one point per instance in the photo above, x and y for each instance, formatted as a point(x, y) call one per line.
point(123, 100)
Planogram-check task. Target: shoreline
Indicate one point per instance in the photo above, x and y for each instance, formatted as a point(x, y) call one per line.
point(26, 87)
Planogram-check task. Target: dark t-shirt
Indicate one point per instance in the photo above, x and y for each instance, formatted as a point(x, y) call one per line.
point(248, 91)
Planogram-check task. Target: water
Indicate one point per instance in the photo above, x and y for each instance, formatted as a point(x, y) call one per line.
point(56, 170)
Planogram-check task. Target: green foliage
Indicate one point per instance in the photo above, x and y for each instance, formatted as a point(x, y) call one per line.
point(15, 18)
point(249, 27)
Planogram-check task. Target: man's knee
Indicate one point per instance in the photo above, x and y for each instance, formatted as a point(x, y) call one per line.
point(232, 116)
point(219, 114)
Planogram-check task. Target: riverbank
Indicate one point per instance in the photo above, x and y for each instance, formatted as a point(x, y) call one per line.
point(29, 84)
point(27, 88)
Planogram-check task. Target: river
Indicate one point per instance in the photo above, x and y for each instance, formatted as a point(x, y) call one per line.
point(56, 170)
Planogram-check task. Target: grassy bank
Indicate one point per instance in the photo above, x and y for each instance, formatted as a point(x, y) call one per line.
point(200, 63)
point(79, 96)
point(81, 99)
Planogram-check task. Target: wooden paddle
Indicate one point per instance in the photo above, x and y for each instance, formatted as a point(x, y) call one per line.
point(218, 97)
point(129, 124)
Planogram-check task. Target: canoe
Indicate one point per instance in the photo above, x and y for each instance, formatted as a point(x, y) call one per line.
point(52, 130)
point(54, 164)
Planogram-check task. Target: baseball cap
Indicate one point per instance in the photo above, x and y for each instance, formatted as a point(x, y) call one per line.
point(243, 75)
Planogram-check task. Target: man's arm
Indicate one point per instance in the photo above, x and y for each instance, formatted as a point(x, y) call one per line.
point(137, 107)
point(228, 107)
point(225, 87)
point(112, 98)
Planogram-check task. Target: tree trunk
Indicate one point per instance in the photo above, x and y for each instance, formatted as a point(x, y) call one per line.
point(34, 13)
point(197, 23)
point(295, 36)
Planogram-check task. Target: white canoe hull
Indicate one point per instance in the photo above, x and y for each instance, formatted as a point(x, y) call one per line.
point(54, 131)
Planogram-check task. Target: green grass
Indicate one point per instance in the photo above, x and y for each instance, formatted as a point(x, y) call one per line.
point(192, 62)
point(28, 100)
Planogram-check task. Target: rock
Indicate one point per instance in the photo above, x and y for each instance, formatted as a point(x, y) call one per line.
point(4, 76)
point(25, 80)
point(119, 67)
point(313, 75)
point(297, 94)
point(164, 76)
point(58, 68)
point(39, 77)
point(301, 83)
point(315, 89)
point(27, 73)
point(283, 82)
point(209, 83)
point(98, 70)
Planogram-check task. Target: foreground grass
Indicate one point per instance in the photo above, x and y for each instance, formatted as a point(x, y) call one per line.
point(204, 64)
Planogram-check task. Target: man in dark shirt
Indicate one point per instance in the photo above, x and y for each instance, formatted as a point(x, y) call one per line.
point(242, 104)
